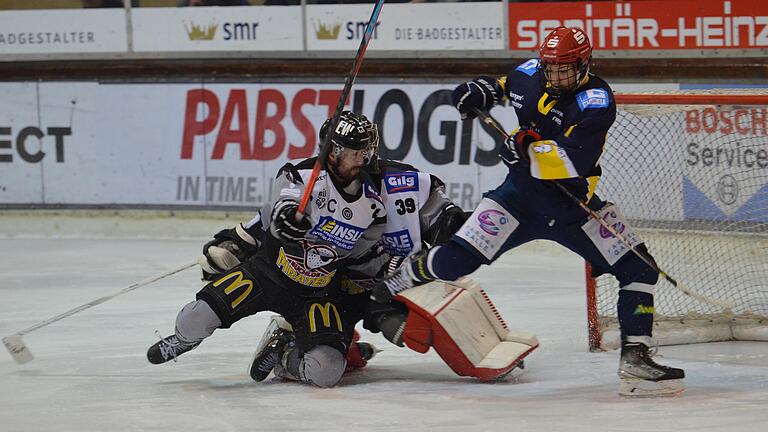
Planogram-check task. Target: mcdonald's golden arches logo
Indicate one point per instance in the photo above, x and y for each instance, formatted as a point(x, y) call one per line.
point(238, 282)
point(325, 313)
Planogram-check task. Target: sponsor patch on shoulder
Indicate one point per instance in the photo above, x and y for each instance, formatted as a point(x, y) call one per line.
point(401, 182)
point(592, 98)
point(529, 68)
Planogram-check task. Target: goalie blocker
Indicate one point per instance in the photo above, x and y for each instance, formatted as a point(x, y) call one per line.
point(463, 326)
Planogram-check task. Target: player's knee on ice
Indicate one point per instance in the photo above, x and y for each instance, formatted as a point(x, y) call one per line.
point(196, 321)
point(322, 366)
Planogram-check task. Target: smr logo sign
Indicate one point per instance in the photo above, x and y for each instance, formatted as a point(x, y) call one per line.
point(29, 143)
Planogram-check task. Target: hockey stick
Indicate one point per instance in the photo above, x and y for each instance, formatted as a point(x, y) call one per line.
point(492, 122)
point(21, 353)
point(325, 149)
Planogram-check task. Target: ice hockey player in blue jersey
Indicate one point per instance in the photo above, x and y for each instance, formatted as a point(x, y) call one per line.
point(564, 114)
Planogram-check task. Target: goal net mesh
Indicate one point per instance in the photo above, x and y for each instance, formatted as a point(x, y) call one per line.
point(689, 170)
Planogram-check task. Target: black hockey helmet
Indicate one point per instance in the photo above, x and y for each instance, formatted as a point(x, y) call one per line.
point(354, 132)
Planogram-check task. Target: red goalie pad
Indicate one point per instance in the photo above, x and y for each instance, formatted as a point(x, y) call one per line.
point(461, 323)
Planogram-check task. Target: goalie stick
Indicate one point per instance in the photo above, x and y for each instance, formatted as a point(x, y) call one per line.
point(492, 122)
point(325, 148)
point(21, 353)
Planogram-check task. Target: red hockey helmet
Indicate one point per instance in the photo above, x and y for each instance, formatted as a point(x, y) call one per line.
point(564, 59)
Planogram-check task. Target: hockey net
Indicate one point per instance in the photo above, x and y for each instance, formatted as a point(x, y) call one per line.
point(689, 170)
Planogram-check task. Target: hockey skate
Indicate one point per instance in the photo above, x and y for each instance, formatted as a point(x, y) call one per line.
point(642, 377)
point(168, 348)
point(367, 350)
point(275, 341)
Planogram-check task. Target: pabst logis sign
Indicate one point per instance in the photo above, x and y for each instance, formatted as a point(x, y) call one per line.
point(270, 124)
point(282, 122)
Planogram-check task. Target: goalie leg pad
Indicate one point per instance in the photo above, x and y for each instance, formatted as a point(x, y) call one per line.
point(465, 329)
point(418, 331)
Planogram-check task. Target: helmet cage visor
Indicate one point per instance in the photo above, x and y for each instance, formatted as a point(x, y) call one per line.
point(365, 141)
point(562, 78)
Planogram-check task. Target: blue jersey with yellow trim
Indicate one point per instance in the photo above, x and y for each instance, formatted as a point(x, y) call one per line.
point(573, 130)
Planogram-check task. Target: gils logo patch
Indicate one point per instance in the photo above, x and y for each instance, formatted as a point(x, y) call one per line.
point(401, 182)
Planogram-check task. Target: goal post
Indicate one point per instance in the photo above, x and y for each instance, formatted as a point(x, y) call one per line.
point(689, 170)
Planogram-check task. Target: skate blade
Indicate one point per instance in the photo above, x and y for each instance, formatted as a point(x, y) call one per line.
point(638, 388)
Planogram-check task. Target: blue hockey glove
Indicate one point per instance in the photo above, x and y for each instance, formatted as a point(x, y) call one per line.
point(482, 93)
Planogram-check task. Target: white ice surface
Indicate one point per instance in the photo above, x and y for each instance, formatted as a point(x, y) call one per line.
point(91, 374)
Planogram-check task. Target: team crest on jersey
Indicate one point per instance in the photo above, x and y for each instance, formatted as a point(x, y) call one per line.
point(592, 98)
point(401, 182)
point(307, 270)
point(397, 243)
point(336, 232)
point(317, 256)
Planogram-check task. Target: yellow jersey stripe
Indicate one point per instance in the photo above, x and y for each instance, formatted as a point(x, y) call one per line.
point(549, 161)
point(568, 132)
point(591, 186)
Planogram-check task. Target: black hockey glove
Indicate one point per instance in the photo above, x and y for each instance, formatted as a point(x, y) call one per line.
point(229, 248)
point(446, 225)
point(482, 93)
point(516, 147)
point(284, 223)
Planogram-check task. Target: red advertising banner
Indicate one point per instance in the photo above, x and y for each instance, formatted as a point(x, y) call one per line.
point(645, 25)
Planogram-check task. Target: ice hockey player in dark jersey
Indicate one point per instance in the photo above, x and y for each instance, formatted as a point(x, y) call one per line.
point(564, 114)
point(418, 212)
point(294, 270)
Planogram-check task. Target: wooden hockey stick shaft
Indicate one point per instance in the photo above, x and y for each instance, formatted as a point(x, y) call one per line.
point(325, 148)
point(16, 337)
point(492, 122)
